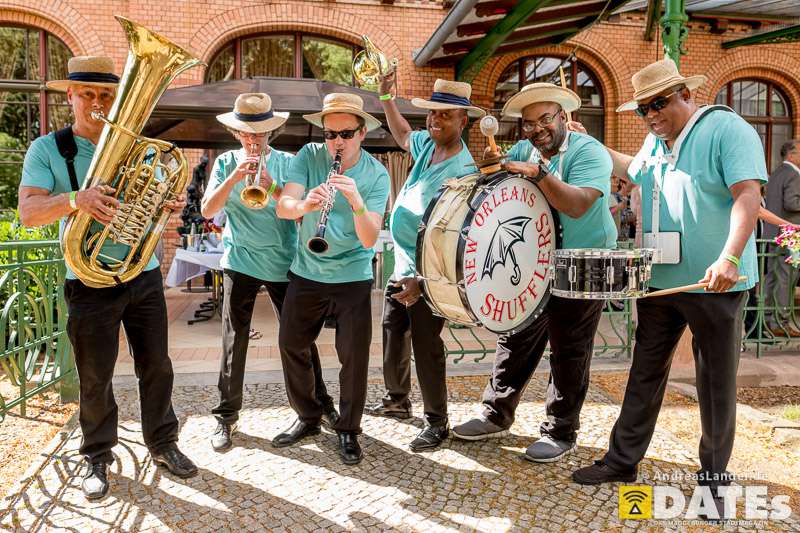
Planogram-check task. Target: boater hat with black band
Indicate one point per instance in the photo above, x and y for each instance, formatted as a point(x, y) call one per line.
point(450, 95)
point(87, 70)
point(252, 113)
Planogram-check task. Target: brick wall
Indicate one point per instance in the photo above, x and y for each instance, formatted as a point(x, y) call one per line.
point(614, 50)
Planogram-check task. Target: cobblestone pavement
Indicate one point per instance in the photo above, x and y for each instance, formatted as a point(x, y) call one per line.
point(463, 487)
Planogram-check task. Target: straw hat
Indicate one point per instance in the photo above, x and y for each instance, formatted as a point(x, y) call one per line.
point(450, 95)
point(343, 103)
point(252, 113)
point(541, 92)
point(656, 78)
point(87, 70)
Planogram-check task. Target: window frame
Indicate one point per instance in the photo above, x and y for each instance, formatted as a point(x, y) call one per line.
point(298, 51)
point(769, 120)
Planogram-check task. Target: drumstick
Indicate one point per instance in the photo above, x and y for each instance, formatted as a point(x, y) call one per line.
point(692, 287)
point(564, 86)
point(490, 127)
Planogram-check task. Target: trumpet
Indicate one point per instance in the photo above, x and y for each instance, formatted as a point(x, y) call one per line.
point(254, 195)
point(370, 64)
point(317, 243)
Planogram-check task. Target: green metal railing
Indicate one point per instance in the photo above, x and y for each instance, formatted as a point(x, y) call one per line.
point(760, 306)
point(35, 353)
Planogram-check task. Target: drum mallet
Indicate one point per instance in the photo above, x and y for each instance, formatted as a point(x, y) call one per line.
point(684, 288)
point(489, 127)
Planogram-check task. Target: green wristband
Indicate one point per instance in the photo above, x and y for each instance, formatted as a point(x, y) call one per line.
point(360, 211)
point(272, 188)
point(733, 259)
point(385, 97)
point(72, 200)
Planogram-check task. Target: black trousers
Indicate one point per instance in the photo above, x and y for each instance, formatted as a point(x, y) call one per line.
point(570, 326)
point(237, 312)
point(93, 325)
point(414, 327)
point(305, 307)
point(716, 324)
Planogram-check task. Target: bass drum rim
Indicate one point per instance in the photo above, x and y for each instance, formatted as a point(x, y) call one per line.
point(418, 262)
point(486, 188)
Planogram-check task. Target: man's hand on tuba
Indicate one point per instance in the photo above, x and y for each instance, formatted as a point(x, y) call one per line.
point(98, 202)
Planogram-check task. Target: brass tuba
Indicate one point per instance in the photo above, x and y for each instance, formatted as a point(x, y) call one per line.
point(370, 64)
point(133, 165)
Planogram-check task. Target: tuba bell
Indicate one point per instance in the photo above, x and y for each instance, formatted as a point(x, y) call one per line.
point(144, 172)
point(370, 64)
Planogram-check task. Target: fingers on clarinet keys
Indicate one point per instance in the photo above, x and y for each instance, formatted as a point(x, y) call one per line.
point(297, 432)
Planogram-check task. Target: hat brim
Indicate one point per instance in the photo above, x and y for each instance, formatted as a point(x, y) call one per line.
point(568, 100)
point(691, 82)
point(278, 119)
point(63, 85)
point(472, 111)
point(370, 122)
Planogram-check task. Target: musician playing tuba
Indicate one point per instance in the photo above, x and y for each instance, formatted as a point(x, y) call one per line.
point(340, 278)
point(259, 247)
point(55, 167)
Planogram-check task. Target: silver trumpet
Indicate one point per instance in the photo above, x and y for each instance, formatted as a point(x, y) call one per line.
point(317, 243)
point(254, 195)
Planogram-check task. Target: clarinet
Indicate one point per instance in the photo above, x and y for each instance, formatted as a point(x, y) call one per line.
point(317, 243)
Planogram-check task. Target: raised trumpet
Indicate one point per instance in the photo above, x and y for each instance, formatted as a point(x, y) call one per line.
point(254, 195)
point(370, 64)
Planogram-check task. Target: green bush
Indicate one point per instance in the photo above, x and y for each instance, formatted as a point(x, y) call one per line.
point(12, 230)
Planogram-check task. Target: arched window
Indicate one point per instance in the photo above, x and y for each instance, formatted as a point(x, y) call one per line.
point(766, 108)
point(27, 110)
point(533, 69)
point(295, 55)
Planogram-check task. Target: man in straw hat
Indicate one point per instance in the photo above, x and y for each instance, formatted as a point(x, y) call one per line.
point(439, 154)
point(259, 248)
point(337, 281)
point(576, 182)
point(55, 167)
point(707, 166)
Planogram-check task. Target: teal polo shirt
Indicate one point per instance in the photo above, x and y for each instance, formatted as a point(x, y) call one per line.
point(256, 241)
point(715, 150)
point(345, 260)
point(417, 192)
point(45, 168)
point(581, 161)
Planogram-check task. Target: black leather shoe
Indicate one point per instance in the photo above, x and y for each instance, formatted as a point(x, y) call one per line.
point(429, 438)
point(349, 449)
point(330, 417)
point(173, 460)
point(95, 482)
point(390, 411)
point(599, 473)
point(296, 433)
point(222, 439)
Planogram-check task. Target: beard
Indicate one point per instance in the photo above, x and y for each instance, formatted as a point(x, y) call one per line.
point(553, 139)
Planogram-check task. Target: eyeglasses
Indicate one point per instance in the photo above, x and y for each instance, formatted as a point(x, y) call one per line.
point(344, 134)
point(530, 125)
point(658, 104)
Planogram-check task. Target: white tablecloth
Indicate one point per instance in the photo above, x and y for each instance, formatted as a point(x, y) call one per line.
point(188, 265)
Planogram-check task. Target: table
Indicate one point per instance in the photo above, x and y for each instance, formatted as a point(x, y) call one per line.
point(188, 264)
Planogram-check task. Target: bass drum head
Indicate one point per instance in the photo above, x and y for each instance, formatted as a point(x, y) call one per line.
point(504, 253)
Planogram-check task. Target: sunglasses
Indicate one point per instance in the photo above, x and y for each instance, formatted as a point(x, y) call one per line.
point(658, 104)
point(344, 134)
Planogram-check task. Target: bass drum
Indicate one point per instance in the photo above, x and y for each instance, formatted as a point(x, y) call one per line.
point(483, 251)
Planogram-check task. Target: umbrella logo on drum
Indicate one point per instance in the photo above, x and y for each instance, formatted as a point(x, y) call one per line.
point(501, 246)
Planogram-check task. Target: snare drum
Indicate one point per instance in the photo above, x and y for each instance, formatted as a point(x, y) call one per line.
point(483, 251)
point(597, 274)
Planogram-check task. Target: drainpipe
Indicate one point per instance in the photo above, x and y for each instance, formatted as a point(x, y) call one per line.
point(674, 30)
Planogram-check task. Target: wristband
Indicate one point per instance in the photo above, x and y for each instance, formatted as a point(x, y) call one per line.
point(360, 211)
point(72, 203)
point(385, 97)
point(272, 188)
point(733, 259)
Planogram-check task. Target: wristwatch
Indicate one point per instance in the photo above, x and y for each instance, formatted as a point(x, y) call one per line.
point(542, 172)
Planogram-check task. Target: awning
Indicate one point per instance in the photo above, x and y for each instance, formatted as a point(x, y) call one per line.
point(474, 31)
point(187, 115)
